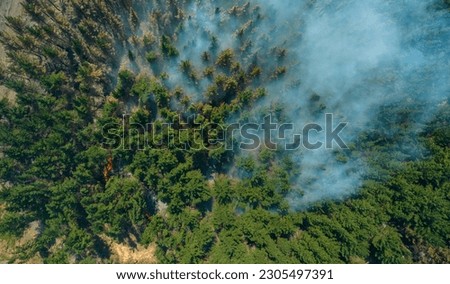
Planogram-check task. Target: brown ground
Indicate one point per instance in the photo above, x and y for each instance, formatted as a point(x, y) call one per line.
point(7, 8)
point(125, 254)
point(8, 245)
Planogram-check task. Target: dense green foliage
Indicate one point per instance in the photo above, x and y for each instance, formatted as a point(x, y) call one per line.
point(56, 167)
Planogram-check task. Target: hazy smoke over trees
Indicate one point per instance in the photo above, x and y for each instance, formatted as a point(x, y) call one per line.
point(359, 56)
point(349, 58)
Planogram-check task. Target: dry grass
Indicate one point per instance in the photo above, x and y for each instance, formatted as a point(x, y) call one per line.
point(8, 244)
point(7, 8)
point(124, 254)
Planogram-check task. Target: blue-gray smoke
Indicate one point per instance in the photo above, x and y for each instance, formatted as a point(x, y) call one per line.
point(358, 56)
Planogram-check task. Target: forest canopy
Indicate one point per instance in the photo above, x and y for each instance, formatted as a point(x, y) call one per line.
point(81, 177)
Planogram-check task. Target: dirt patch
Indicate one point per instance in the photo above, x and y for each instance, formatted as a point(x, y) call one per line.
point(9, 245)
point(7, 8)
point(5, 251)
point(30, 234)
point(124, 254)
